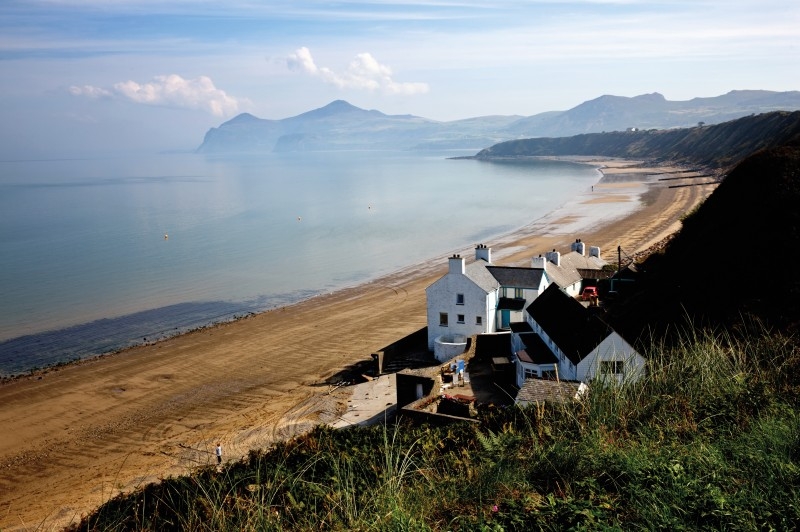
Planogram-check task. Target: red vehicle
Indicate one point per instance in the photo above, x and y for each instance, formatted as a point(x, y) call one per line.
point(589, 293)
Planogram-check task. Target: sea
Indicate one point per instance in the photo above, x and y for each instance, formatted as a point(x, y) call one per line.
point(100, 254)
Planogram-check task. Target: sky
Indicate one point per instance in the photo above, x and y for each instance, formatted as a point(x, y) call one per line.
point(80, 77)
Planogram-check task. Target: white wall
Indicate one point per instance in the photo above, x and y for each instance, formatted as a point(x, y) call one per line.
point(441, 297)
point(613, 348)
point(574, 289)
point(538, 368)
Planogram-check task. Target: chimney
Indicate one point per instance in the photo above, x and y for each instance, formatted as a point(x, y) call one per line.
point(456, 264)
point(483, 253)
point(554, 257)
point(594, 251)
point(538, 262)
point(579, 247)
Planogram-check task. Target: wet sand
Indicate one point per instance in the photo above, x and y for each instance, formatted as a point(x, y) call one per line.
point(74, 437)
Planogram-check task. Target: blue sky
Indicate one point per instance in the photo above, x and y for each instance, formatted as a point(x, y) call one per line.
point(115, 76)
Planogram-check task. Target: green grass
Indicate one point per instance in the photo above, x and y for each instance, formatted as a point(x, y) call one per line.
point(709, 439)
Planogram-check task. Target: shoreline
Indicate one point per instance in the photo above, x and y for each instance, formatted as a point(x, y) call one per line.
point(77, 435)
point(232, 311)
point(107, 336)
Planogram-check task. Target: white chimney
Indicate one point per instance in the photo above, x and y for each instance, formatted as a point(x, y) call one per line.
point(456, 264)
point(579, 247)
point(554, 257)
point(538, 262)
point(594, 251)
point(483, 253)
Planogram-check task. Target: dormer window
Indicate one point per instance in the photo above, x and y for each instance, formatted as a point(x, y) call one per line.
point(459, 299)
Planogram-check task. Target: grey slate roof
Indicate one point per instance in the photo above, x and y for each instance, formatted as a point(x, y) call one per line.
point(562, 276)
point(537, 350)
point(576, 261)
point(574, 329)
point(539, 391)
point(479, 274)
point(517, 277)
point(573, 268)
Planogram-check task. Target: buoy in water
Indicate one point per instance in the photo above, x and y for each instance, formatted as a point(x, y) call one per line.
point(166, 236)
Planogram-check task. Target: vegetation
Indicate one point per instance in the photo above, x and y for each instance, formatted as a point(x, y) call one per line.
point(732, 263)
point(710, 439)
point(718, 146)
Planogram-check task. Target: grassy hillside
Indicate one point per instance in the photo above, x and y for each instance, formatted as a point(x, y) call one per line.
point(709, 440)
point(735, 260)
point(717, 146)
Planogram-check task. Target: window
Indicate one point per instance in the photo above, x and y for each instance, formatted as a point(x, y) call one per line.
point(504, 292)
point(478, 320)
point(460, 318)
point(519, 293)
point(611, 367)
point(531, 373)
point(459, 299)
point(443, 319)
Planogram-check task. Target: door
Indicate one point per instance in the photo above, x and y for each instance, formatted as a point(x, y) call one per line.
point(505, 319)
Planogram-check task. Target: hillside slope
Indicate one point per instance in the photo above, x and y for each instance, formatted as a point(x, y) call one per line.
point(735, 259)
point(717, 146)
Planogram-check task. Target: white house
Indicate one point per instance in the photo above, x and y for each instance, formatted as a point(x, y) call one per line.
point(584, 346)
point(477, 298)
point(460, 304)
point(481, 297)
point(568, 270)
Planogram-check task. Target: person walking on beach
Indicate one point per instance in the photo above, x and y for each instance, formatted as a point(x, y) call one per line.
point(219, 453)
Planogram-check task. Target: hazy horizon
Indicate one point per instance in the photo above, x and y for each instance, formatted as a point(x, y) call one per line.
point(96, 77)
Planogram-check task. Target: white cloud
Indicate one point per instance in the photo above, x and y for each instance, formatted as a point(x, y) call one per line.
point(363, 72)
point(170, 91)
point(89, 91)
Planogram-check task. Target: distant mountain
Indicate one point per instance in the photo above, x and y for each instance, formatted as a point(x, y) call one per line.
point(340, 125)
point(716, 146)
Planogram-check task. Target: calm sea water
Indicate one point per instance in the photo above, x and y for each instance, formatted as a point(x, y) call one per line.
point(100, 254)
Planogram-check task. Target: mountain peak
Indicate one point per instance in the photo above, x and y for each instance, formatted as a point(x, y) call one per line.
point(341, 105)
point(338, 108)
point(651, 97)
point(242, 118)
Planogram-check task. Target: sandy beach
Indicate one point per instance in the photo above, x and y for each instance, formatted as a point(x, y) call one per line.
point(74, 437)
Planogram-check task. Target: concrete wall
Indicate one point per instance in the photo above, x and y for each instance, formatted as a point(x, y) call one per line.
point(407, 388)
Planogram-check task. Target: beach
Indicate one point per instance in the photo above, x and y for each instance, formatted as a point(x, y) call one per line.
point(75, 436)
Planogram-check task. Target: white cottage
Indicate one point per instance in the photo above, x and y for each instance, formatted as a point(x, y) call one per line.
point(584, 346)
point(461, 304)
point(477, 298)
point(568, 270)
